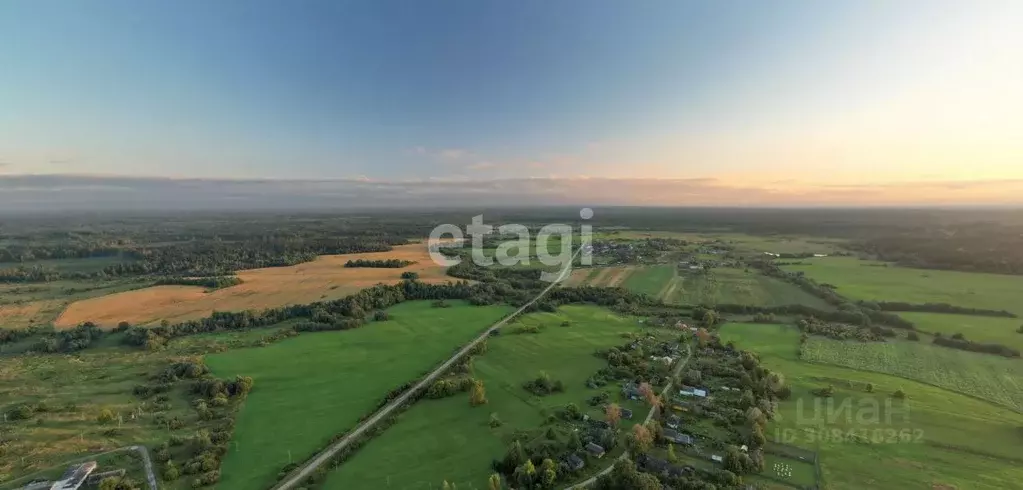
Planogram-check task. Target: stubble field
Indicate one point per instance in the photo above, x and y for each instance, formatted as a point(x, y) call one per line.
point(325, 278)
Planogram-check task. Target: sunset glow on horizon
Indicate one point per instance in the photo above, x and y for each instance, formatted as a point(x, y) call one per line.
point(781, 103)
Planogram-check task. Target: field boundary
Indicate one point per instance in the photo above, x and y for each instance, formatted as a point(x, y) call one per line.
point(324, 456)
point(950, 390)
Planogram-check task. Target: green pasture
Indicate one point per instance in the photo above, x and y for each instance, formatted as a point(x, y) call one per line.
point(935, 438)
point(314, 386)
point(876, 281)
point(726, 285)
point(447, 439)
point(986, 376)
point(981, 329)
point(650, 281)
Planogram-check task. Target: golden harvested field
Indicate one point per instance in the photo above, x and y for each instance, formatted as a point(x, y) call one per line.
point(325, 278)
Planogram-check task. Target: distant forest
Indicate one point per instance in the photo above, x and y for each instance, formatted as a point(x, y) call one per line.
point(218, 244)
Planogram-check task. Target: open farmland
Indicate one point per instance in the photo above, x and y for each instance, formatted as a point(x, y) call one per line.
point(954, 441)
point(725, 285)
point(877, 281)
point(317, 385)
point(983, 329)
point(447, 439)
point(984, 376)
point(652, 281)
point(740, 241)
point(325, 278)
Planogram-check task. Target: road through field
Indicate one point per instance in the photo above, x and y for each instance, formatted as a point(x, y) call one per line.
point(593, 479)
point(295, 478)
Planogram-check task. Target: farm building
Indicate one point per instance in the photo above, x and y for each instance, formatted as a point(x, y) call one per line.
point(697, 392)
point(595, 450)
point(676, 437)
point(716, 458)
point(573, 462)
point(74, 476)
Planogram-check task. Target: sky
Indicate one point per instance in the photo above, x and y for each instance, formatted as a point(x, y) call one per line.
point(665, 102)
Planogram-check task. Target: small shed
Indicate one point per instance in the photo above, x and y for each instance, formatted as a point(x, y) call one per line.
point(676, 437)
point(626, 413)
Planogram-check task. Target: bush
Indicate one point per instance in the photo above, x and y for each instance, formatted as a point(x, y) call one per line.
point(899, 394)
point(106, 416)
point(20, 412)
point(495, 422)
point(870, 387)
point(825, 392)
point(170, 471)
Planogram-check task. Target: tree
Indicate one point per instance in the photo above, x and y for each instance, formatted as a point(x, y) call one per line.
point(494, 483)
point(870, 387)
point(899, 394)
point(703, 336)
point(640, 440)
point(495, 421)
point(106, 416)
point(478, 394)
point(648, 394)
point(671, 454)
point(757, 438)
point(614, 414)
point(548, 473)
point(170, 471)
point(574, 442)
point(515, 456)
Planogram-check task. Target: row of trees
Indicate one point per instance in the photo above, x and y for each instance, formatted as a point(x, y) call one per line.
point(935, 308)
point(383, 264)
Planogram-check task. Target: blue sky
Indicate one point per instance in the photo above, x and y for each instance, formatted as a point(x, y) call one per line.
point(406, 90)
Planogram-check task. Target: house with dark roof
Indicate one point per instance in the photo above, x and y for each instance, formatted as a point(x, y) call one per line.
point(595, 450)
point(573, 462)
point(676, 437)
point(631, 391)
point(651, 464)
point(626, 413)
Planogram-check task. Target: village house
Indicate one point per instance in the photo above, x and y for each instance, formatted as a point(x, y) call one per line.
point(676, 437)
point(595, 450)
point(631, 391)
point(573, 463)
point(626, 413)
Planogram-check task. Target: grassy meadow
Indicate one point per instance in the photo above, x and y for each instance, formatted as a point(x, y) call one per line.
point(75, 388)
point(874, 281)
point(724, 285)
point(314, 386)
point(24, 305)
point(447, 439)
point(934, 438)
point(989, 377)
point(983, 329)
point(653, 281)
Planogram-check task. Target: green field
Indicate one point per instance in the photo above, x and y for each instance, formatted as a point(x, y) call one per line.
point(74, 388)
point(724, 285)
point(791, 470)
point(447, 439)
point(740, 241)
point(651, 281)
point(989, 377)
point(981, 329)
point(870, 280)
point(317, 385)
point(952, 439)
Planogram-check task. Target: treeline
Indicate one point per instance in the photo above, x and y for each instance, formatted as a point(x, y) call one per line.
point(935, 308)
point(958, 342)
point(215, 282)
point(382, 264)
point(840, 331)
point(861, 317)
point(342, 314)
point(209, 258)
